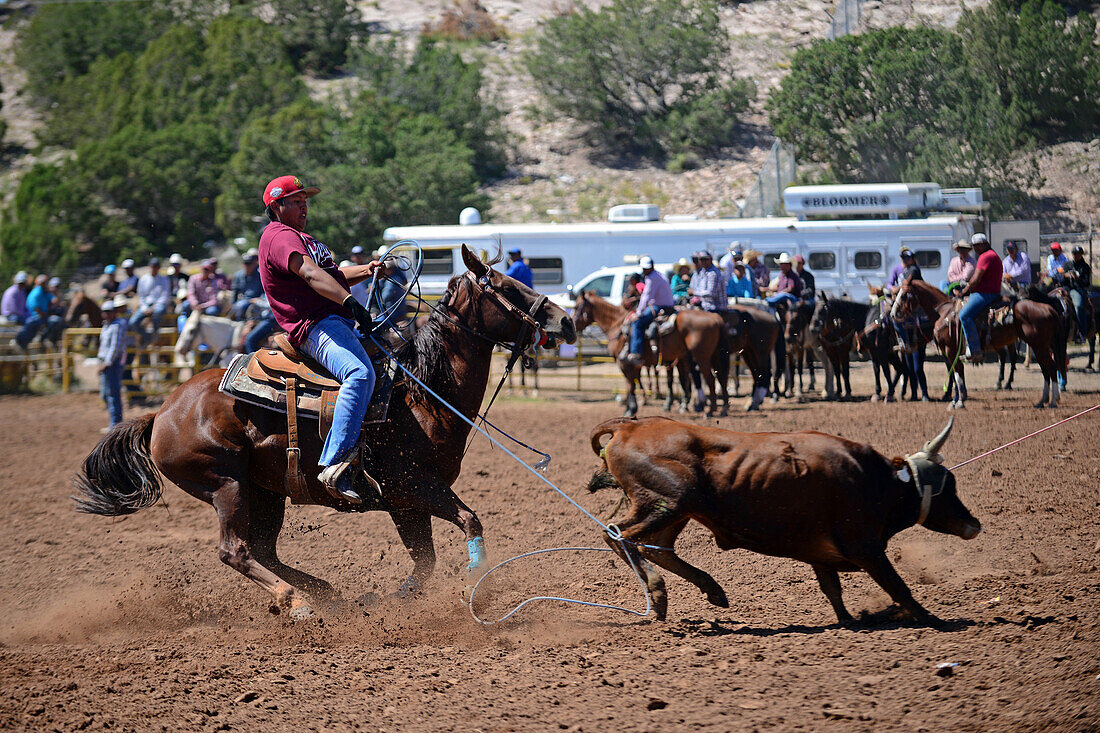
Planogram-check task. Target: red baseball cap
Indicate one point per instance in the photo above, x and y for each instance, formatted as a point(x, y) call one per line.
point(284, 186)
point(1056, 246)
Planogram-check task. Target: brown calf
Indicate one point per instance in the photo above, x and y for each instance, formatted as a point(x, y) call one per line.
point(817, 498)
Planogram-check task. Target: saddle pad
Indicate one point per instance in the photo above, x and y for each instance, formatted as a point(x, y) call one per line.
point(237, 383)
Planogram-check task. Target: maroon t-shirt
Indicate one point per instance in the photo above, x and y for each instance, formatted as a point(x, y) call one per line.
point(994, 269)
point(295, 305)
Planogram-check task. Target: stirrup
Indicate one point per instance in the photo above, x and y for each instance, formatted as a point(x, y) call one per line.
point(338, 484)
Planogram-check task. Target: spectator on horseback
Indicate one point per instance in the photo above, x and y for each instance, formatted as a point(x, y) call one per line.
point(1057, 265)
point(247, 288)
point(984, 288)
point(741, 285)
point(1078, 280)
point(112, 360)
point(788, 286)
point(154, 293)
point(961, 269)
point(902, 271)
point(107, 282)
point(708, 287)
point(518, 269)
point(681, 278)
point(656, 298)
point(127, 286)
point(14, 306)
point(41, 303)
point(203, 289)
point(809, 286)
point(1017, 268)
point(758, 270)
point(310, 298)
point(734, 255)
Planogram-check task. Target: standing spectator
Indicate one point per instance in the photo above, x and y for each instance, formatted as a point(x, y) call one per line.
point(758, 270)
point(247, 288)
point(107, 282)
point(961, 269)
point(1078, 280)
point(788, 286)
point(154, 293)
point(680, 280)
point(1017, 267)
point(128, 285)
point(14, 306)
point(112, 360)
point(809, 286)
point(39, 312)
point(203, 289)
point(730, 258)
point(984, 287)
point(741, 285)
point(656, 297)
point(708, 286)
point(519, 270)
point(1057, 265)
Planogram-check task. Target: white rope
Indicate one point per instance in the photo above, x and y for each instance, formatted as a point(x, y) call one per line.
point(611, 530)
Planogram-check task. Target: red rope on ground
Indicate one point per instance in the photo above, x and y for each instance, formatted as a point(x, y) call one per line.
point(1030, 435)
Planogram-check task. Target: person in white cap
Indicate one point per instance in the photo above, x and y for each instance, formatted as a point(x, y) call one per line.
point(128, 284)
point(176, 276)
point(358, 257)
point(112, 360)
point(656, 297)
point(788, 285)
point(734, 255)
point(983, 287)
point(14, 306)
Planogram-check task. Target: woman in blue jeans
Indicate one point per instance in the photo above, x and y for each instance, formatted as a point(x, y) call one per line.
point(311, 300)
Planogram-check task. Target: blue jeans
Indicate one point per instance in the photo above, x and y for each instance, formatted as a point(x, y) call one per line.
point(637, 330)
point(781, 297)
point(975, 305)
point(240, 309)
point(110, 389)
point(156, 312)
point(34, 321)
point(334, 344)
point(259, 333)
point(1080, 304)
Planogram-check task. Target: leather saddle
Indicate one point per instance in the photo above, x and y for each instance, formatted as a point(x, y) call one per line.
point(285, 379)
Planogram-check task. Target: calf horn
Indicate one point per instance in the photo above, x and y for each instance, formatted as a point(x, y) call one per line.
point(931, 449)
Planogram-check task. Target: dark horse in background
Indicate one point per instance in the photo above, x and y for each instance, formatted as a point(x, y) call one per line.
point(1037, 324)
point(836, 322)
point(232, 455)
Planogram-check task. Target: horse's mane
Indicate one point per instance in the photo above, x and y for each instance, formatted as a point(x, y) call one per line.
point(1034, 292)
point(849, 309)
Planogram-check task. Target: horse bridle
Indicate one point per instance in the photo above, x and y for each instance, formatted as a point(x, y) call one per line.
point(531, 333)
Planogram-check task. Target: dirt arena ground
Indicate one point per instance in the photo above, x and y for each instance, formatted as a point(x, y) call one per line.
point(134, 624)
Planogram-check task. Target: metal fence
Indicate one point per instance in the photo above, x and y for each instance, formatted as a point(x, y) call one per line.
point(766, 196)
point(846, 19)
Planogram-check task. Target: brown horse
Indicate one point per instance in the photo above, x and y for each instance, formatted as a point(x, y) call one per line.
point(83, 311)
point(233, 455)
point(698, 336)
point(1036, 324)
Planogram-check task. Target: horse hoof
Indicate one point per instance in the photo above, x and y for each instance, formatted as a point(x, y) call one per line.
point(408, 589)
point(1040, 405)
point(874, 398)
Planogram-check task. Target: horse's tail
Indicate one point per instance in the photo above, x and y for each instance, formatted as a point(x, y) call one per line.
point(118, 476)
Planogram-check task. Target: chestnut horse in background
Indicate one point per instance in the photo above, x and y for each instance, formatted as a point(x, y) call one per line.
point(699, 336)
point(1037, 324)
point(233, 455)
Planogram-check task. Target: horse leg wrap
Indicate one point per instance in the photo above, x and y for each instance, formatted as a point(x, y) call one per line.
point(476, 548)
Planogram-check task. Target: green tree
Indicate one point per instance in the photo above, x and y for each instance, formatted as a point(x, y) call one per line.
point(898, 104)
point(434, 79)
point(317, 33)
point(1044, 65)
point(62, 41)
point(635, 69)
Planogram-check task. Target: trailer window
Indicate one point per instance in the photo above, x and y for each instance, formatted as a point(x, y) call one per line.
point(545, 270)
point(822, 261)
point(770, 260)
point(868, 260)
point(928, 259)
point(438, 262)
point(601, 285)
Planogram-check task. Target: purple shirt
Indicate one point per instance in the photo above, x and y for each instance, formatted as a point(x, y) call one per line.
point(15, 303)
point(1018, 268)
point(295, 305)
point(895, 275)
point(657, 292)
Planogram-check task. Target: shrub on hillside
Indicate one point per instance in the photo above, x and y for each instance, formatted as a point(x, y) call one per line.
point(466, 20)
point(317, 33)
point(644, 75)
point(899, 105)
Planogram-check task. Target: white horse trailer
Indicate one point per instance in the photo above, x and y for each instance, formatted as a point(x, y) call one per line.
point(844, 254)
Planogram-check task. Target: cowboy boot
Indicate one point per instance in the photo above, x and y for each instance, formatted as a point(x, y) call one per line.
point(341, 483)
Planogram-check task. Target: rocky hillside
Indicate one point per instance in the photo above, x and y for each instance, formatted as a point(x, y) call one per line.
point(556, 175)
